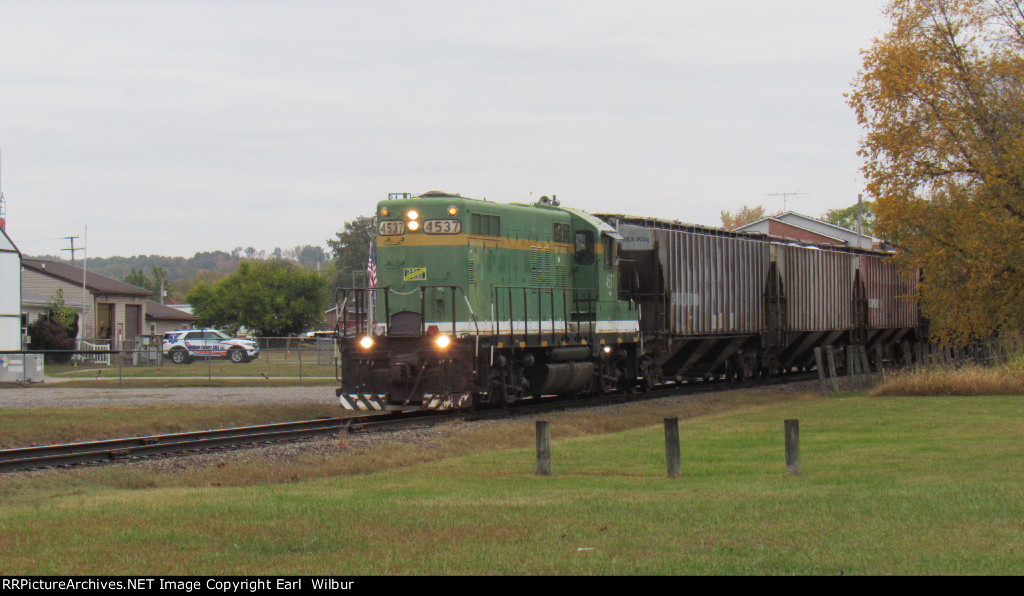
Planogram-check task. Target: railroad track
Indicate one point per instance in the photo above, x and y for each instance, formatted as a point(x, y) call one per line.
point(113, 450)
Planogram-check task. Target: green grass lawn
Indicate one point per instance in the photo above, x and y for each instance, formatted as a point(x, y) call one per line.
point(889, 486)
point(276, 364)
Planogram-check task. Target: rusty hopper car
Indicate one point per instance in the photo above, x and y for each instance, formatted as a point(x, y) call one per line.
point(715, 302)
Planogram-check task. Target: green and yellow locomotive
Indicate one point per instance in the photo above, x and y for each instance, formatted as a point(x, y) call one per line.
point(485, 303)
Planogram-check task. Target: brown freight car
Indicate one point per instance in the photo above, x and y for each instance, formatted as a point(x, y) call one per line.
point(717, 302)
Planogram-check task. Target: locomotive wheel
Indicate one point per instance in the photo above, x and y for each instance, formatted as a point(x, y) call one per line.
point(497, 392)
point(650, 375)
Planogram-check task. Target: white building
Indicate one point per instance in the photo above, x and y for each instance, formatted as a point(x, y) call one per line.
point(14, 368)
point(10, 294)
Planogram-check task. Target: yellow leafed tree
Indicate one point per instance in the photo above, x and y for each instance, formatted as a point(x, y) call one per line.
point(744, 215)
point(941, 97)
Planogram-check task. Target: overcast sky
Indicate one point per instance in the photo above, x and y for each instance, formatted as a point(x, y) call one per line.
point(171, 127)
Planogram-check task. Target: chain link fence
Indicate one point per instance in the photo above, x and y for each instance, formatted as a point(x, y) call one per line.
point(293, 358)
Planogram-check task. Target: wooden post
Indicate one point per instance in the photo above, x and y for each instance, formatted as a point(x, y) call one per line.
point(543, 448)
point(830, 356)
point(851, 368)
point(672, 452)
point(793, 447)
point(821, 371)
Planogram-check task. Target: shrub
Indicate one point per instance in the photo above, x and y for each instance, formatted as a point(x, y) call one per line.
point(47, 335)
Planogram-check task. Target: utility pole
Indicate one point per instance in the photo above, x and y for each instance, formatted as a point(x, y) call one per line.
point(85, 274)
point(860, 218)
point(72, 249)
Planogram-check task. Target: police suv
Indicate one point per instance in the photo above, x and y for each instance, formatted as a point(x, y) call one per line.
point(186, 345)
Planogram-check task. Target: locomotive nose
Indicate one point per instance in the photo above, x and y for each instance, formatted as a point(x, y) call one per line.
point(401, 373)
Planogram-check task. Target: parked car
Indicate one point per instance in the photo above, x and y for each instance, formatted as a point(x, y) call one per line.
point(313, 336)
point(186, 345)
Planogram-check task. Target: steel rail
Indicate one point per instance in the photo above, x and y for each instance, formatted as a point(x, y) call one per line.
point(111, 450)
point(117, 449)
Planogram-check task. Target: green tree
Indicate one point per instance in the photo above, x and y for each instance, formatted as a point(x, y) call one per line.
point(351, 249)
point(941, 96)
point(183, 286)
point(159, 282)
point(137, 278)
point(63, 315)
point(311, 256)
point(273, 298)
point(846, 217)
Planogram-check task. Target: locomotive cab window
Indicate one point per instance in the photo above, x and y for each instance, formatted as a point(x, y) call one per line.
point(584, 247)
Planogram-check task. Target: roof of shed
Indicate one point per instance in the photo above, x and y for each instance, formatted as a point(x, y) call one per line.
point(162, 312)
point(98, 284)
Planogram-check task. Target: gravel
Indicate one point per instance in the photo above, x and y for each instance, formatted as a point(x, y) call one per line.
point(55, 396)
point(282, 453)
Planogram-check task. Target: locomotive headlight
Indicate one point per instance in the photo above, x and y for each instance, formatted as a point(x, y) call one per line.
point(384, 212)
point(413, 215)
point(453, 211)
point(443, 341)
point(414, 225)
point(366, 342)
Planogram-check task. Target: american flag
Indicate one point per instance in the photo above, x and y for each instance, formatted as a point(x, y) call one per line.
point(371, 266)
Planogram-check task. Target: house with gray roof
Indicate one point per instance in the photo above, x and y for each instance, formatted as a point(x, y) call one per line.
point(161, 318)
point(808, 229)
point(114, 311)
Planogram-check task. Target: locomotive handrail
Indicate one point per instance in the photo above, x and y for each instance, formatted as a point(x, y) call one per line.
point(363, 322)
point(423, 308)
point(363, 306)
point(579, 296)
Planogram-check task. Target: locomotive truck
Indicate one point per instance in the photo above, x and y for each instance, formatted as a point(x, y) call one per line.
point(483, 303)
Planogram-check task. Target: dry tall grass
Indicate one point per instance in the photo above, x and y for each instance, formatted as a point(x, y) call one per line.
point(1002, 379)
